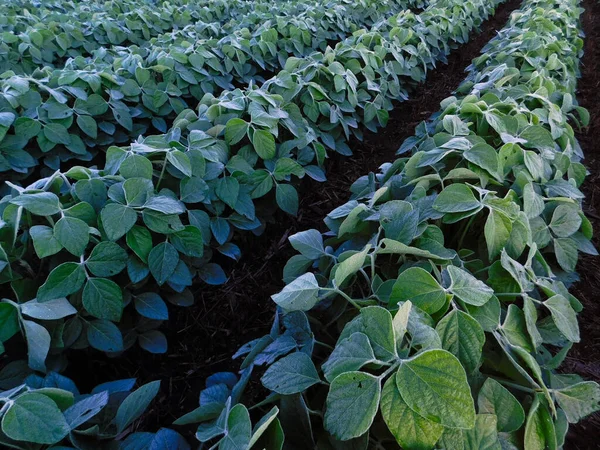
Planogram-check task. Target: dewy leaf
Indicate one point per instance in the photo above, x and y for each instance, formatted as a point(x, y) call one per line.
point(103, 299)
point(162, 261)
point(299, 295)
point(377, 323)
point(73, 234)
point(350, 266)
point(135, 404)
point(496, 399)
point(410, 429)
point(349, 354)
point(456, 198)
point(434, 385)
point(35, 418)
point(64, 280)
point(351, 404)
point(579, 400)
point(564, 316)
point(468, 288)
point(117, 220)
point(50, 310)
point(533, 203)
point(40, 203)
point(309, 243)
point(292, 374)
point(462, 336)
point(418, 286)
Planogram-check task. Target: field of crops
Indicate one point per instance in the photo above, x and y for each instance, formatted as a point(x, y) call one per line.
point(293, 224)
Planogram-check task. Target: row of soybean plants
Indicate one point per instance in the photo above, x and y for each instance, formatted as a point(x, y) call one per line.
point(51, 36)
point(435, 312)
point(121, 93)
point(91, 254)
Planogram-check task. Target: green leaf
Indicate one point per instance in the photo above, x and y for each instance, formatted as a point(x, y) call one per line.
point(239, 429)
point(38, 344)
point(135, 404)
point(564, 317)
point(139, 240)
point(462, 336)
point(44, 242)
point(566, 253)
point(136, 166)
point(351, 404)
point(73, 234)
point(515, 328)
point(292, 374)
point(9, 321)
point(35, 418)
point(299, 295)
point(418, 286)
point(565, 221)
point(105, 336)
point(540, 433)
point(50, 310)
point(456, 198)
point(579, 400)
point(485, 156)
point(88, 125)
point(350, 266)
point(287, 198)
point(107, 259)
point(410, 429)
point(468, 288)
point(349, 354)
point(228, 190)
point(264, 144)
point(64, 280)
point(150, 305)
point(309, 243)
point(103, 299)
point(235, 130)
point(162, 261)
point(57, 133)
point(434, 385)
point(496, 399)
point(181, 161)
point(117, 220)
point(533, 203)
point(40, 203)
point(189, 241)
point(497, 232)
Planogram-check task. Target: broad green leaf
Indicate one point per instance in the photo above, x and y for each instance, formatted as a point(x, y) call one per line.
point(456, 198)
point(533, 203)
point(418, 286)
point(189, 241)
point(462, 336)
point(485, 156)
point(287, 198)
point(64, 280)
point(350, 266)
point(262, 427)
point(44, 242)
point(410, 429)
point(350, 354)
point(9, 321)
point(468, 288)
point(351, 404)
point(162, 261)
point(107, 259)
point(239, 429)
point(103, 299)
point(434, 385)
point(73, 234)
point(564, 316)
point(540, 433)
point(117, 220)
point(228, 189)
point(497, 232)
point(579, 400)
point(309, 243)
point(35, 418)
point(377, 323)
point(496, 399)
point(105, 336)
point(135, 404)
point(136, 166)
point(38, 344)
point(292, 374)
point(566, 253)
point(40, 203)
point(299, 295)
point(235, 130)
point(139, 240)
point(264, 144)
point(515, 328)
point(50, 310)
point(565, 221)
point(151, 305)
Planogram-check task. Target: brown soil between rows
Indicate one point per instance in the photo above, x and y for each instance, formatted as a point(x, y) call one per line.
point(202, 338)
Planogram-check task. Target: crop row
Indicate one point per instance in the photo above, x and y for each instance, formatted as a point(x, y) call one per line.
point(115, 97)
point(83, 250)
point(51, 38)
point(435, 311)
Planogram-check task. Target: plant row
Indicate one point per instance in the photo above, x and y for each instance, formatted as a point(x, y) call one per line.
point(116, 243)
point(51, 38)
point(77, 227)
point(435, 311)
point(118, 95)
